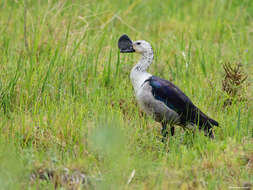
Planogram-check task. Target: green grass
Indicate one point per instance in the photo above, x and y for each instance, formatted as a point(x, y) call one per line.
point(66, 101)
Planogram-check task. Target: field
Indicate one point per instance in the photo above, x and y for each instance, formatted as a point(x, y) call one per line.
point(68, 115)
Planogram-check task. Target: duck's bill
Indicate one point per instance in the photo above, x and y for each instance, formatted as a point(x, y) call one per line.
point(125, 44)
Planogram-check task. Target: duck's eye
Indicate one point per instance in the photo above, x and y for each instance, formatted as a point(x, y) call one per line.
point(138, 43)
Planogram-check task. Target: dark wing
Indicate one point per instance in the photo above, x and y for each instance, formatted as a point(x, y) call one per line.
point(175, 99)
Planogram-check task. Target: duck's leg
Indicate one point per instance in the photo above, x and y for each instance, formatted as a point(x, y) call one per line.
point(172, 130)
point(164, 131)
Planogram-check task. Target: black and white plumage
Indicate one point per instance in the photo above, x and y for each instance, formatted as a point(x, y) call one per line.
point(160, 98)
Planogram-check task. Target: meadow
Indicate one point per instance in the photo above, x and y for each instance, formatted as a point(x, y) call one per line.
point(68, 115)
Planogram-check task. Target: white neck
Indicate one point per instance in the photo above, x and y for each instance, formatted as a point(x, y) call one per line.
point(139, 72)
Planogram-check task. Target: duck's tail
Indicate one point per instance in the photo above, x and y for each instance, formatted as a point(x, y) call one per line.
point(207, 124)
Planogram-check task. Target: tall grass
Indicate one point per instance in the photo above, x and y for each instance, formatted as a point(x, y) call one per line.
point(67, 104)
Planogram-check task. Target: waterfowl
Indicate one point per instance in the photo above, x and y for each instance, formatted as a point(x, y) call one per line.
point(161, 99)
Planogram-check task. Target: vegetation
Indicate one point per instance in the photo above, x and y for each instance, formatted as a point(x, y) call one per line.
point(68, 115)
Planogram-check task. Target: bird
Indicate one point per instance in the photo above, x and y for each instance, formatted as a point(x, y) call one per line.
point(160, 98)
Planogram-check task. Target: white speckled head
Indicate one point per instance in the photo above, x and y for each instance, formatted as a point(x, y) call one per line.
point(142, 47)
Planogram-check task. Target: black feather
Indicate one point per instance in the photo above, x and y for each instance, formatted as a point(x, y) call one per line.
point(175, 99)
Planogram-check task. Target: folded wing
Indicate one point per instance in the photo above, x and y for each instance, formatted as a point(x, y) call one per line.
point(175, 99)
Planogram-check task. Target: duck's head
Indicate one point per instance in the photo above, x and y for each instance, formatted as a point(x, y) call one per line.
point(127, 46)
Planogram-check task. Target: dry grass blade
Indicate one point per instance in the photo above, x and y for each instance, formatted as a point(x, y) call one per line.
point(131, 177)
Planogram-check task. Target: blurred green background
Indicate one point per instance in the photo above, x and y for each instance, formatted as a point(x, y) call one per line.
point(68, 115)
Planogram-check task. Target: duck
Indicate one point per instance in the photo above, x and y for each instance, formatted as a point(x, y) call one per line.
point(160, 98)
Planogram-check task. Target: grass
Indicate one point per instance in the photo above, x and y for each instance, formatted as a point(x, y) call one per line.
point(68, 115)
